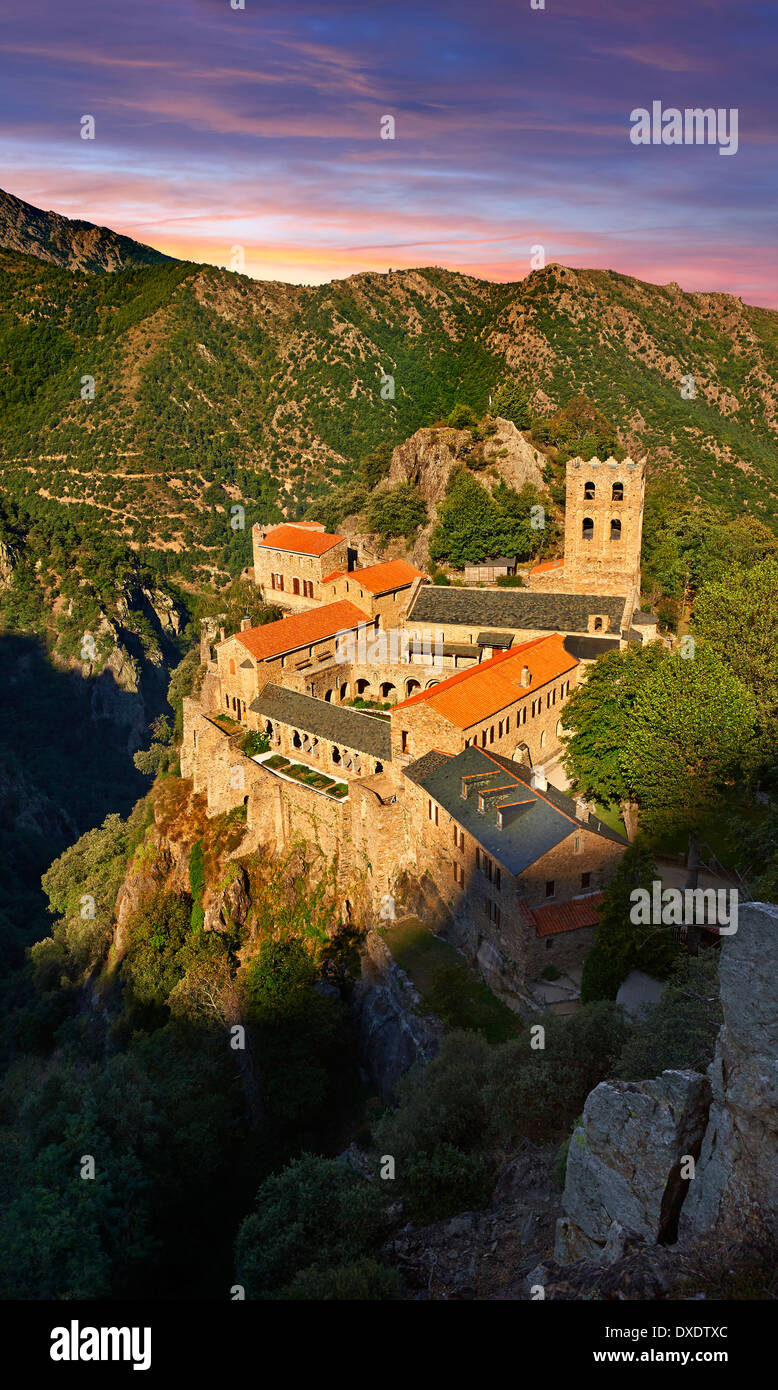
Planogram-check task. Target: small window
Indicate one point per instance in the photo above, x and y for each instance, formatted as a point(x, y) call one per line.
point(585, 880)
point(295, 586)
point(598, 625)
point(477, 857)
point(497, 878)
point(404, 740)
point(588, 491)
point(617, 492)
point(550, 887)
point(491, 734)
point(615, 529)
point(543, 738)
point(549, 942)
point(587, 529)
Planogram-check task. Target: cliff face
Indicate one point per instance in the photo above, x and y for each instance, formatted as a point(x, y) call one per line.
point(625, 1189)
point(736, 1187)
point(430, 456)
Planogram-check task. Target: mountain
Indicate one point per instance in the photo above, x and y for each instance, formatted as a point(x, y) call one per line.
point(139, 409)
point(76, 245)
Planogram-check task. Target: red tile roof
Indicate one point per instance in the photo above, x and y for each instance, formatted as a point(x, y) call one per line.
point(389, 574)
point(336, 574)
point(563, 917)
point(470, 696)
point(301, 629)
point(547, 565)
point(299, 540)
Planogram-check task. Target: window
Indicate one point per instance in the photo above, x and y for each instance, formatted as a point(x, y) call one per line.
point(432, 811)
point(617, 492)
point(459, 874)
point(277, 581)
point(493, 912)
point(486, 865)
point(550, 887)
point(615, 529)
point(588, 491)
point(459, 837)
point(497, 877)
point(587, 529)
point(549, 942)
point(483, 738)
point(578, 842)
point(524, 714)
point(232, 668)
point(585, 880)
point(542, 738)
point(491, 734)
point(403, 740)
point(499, 729)
point(295, 586)
point(227, 701)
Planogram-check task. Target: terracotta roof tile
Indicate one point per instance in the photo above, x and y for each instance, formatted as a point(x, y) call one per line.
point(563, 917)
point(470, 696)
point(300, 541)
point(547, 565)
point(390, 574)
point(299, 630)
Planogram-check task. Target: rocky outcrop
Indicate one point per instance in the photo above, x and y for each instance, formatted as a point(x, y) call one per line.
point(429, 457)
point(735, 1191)
point(484, 1254)
point(391, 1032)
point(7, 562)
point(230, 906)
point(624, 1166)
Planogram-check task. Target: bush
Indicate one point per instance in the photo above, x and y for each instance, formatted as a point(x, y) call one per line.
point(316, 1215)
point(362, 1280)
point(396, 511)
point(254, 743)
point(602, 975)
point(462, 417)
point(446, 1180)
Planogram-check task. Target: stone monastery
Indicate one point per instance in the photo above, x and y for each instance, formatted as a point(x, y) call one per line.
point(412, 729)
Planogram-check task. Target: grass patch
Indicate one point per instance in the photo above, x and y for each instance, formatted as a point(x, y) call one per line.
point(610, 816)
point(446, 983)
point(230, 726)
point(277, 761)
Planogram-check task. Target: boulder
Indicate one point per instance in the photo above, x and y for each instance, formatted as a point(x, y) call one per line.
point(391, 1032)
point(735, 1190)
point(623, 1176)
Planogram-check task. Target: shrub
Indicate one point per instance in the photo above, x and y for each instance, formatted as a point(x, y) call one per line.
point(254, 743)
point(446, 1180)
point(462, 417)
point(396, 511)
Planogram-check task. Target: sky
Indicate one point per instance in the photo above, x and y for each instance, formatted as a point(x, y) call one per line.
point(260, 129)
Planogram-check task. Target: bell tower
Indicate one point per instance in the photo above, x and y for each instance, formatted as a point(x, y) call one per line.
point(603, 531)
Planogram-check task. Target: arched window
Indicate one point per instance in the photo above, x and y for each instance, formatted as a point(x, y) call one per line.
point(558, 727)
point(296, 740)
point(588, 491)
point(344, 690)
point(598, 624)
point(411, 686)
point(363, 686)
point(615, 529)
point(328, 696)
point(336, 756)
point(587, 529)
point(617, 492)
point(379, 767)
point(543, 739)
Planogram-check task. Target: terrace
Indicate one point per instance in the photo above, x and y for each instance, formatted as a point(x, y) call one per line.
point(291, 771)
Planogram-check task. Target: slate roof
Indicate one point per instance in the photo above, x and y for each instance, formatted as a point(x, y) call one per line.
point(533, 821)
point(469, 696)
point(588, 648)
point(494, 639)
point(515, 609)
point(337, 723)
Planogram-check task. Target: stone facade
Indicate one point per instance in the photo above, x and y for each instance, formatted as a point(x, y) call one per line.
point(292, 578)
point(603, 532)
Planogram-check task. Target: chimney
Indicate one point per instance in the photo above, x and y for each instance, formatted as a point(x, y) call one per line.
point(581, 809)
point(526, 676)
point(538, 782)
point(221, 634)
point(245, 622)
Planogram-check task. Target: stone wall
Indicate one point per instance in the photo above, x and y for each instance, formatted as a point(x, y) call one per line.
point(311, 568)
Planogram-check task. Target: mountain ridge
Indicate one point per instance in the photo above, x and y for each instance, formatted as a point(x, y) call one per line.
point(69, 242)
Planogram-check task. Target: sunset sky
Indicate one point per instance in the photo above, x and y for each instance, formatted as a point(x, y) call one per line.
point(261, 128)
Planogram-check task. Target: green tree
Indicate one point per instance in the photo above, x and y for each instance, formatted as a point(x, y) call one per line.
point(396, 511)
point(462, 417)
point(511, 402)
point(738, 617)
point(598, 717)
point(621, 945)
point(691, 734)
point(315, 1215)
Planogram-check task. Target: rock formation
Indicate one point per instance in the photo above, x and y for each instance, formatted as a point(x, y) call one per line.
point(392, 1034)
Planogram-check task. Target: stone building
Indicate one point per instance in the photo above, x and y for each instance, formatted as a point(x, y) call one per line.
point(603, 533)
point(291, 561)
point(511, 703)
point(383, 590)
point(486, 571)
